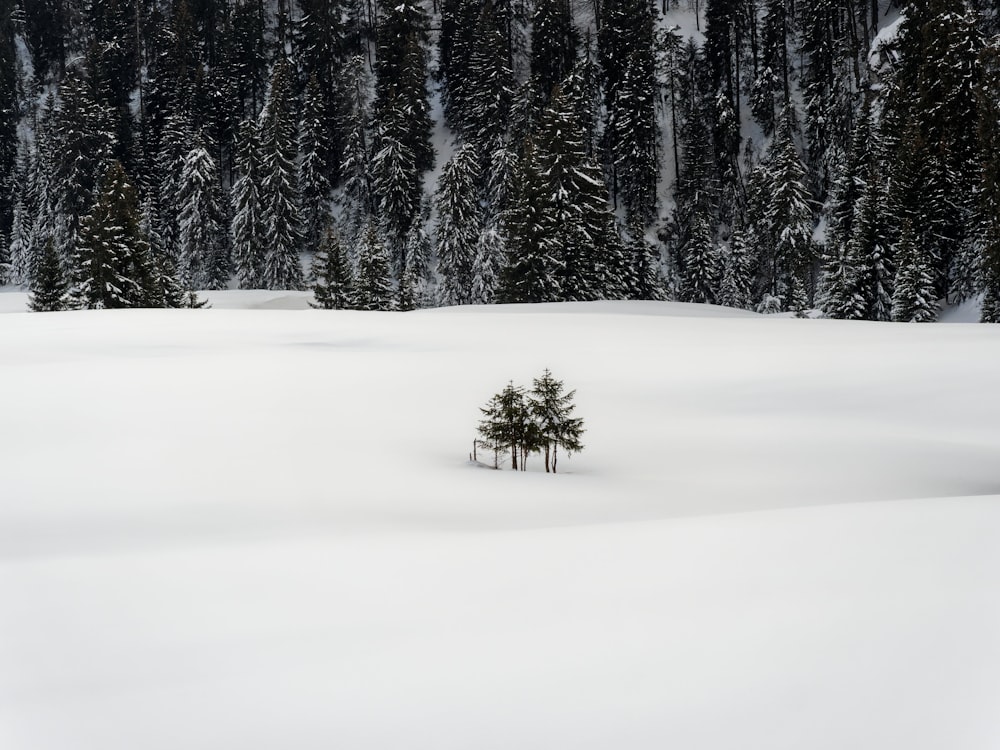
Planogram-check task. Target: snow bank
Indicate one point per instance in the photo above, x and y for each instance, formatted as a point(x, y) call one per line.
point(228, 528)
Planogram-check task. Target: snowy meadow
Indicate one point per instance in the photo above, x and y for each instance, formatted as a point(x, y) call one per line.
point(256, 527)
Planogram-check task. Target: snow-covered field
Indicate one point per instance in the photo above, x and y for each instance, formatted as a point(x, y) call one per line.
point(259, 528)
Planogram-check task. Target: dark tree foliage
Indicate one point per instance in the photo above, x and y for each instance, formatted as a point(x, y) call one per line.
point(796, 155)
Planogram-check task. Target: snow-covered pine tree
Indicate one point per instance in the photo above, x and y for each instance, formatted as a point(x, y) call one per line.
point(989, 192)
point(698, 264)
point(168, 290)
point(358, 193)
point(788, 218)
point(456, 43)
point(249, 227)
point(176, 142)
point(645, 279)
point(20, 254)
point(414, 287)
point(401, 80)
point(202, 241)
point(554, 41)
point(83, 142)
point(625, 48)
point(373, 290)
point(868, 252)
point(736, 288)
point(396, 186)
point(913, 299)
point(112, 267)
point(48, 285)
point(487, 266)
point(280, 188)
point(579, 230)
point(458, 226)
point(490, 92)
point(530, 273)
point(333, 276)
point(314, 186)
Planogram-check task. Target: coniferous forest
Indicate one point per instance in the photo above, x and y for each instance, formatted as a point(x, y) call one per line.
point(774, 155)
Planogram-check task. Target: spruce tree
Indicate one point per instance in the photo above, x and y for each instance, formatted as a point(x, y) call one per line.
point(333, 277)
point(458, 225)
point(487, 266)
point(280, 189)
point(314, 184)
point(625, 47)
point(203, 246)
point(414, 289)
point(249, 227)
point(788, 221)
point(736, 287)
point(531, 272)
point(48, 286)
point(913, 299)
point(551, 410)
point(373, 289)
point(112, 267)
point(554, 40)
point(698, 264)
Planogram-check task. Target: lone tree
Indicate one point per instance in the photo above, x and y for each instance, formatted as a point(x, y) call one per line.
point(540, 421)
point(551, 410)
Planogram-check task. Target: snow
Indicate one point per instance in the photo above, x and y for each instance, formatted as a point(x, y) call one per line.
point(259, 527)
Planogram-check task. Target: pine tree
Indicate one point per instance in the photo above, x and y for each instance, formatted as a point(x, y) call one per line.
point(579, 229)
point(458, 225)
point(203, 248)
point(554, 41)
point(249, 227)
point(531, 273)
point(401, 104)
point(646, 277)
point(414, 289)
point(373, 290)
point(48, 286)
point(789, 222)
point(487, 266)
point(359, 193)
point(913, 299)
point(698, 265)
point(507, 427)
point(551, 410)
point(112, 266)
point(489, 94)
point(625, 47)
point(989, 193)
point(314, 185)
point(280, 189)
point(396, 186)
point(736, 288)
point(333, 277)
point(83, 141)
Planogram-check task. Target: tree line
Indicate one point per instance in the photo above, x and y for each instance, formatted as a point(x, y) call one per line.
point(153, 147)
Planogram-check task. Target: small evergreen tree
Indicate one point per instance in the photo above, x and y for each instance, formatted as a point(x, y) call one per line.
point(374, 285)
point(737, 273)
point(551, 409)
point(913, 299)
point(48, 289)
point(333, 278)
